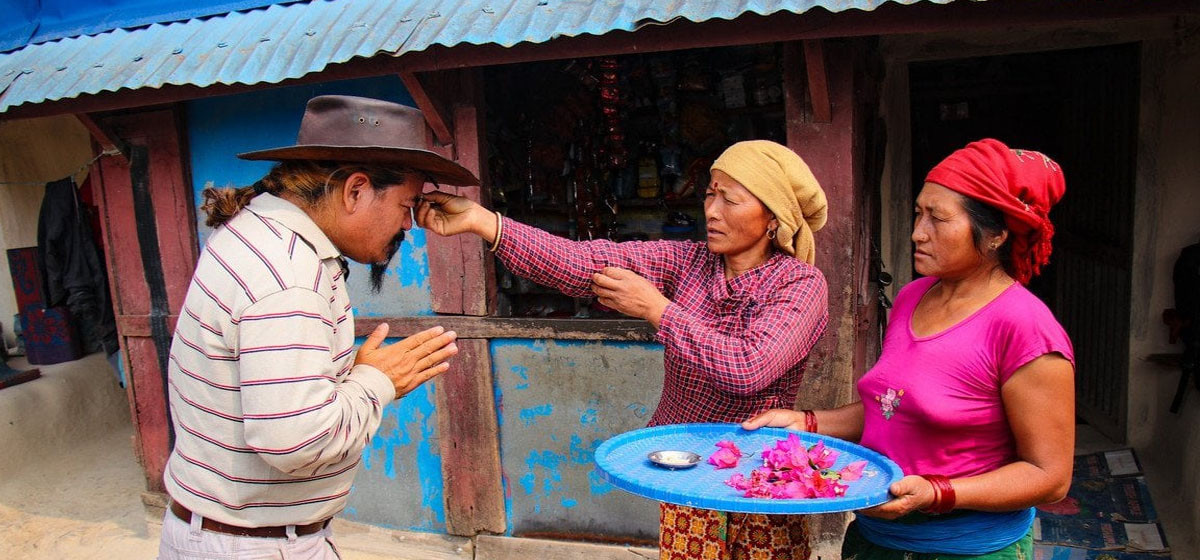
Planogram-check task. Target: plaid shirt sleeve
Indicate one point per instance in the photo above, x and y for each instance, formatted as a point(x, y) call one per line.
point(567, 266)
point(745, 356)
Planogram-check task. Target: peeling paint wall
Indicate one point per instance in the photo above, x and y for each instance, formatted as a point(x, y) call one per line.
point(1166, 217)
point(32, 151)
point(558, 401)
point(400, 484)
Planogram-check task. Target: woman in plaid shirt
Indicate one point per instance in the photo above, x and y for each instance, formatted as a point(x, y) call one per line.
point(736, 315)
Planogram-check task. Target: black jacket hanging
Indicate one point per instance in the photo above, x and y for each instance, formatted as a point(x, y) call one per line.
point(72, 272)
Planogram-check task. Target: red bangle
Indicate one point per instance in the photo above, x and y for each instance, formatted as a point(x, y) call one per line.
point(943, 494)
point(810, 421)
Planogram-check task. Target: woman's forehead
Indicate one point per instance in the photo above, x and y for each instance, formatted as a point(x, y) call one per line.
point(933, 195)
point(722, 181)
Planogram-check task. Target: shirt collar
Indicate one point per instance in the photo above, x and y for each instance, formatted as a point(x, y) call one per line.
point(292, 217)
point(742, 286)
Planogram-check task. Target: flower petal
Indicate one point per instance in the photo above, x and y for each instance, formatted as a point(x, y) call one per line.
point(853, 471)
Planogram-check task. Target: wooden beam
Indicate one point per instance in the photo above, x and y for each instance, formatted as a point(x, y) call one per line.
point(463, 282)
point(632, 330)
point(138, 326)
point(818, 84)
point(461, 271)
point(513, 327)
point(108, 141)
point(147, 286)
point(469, 440)
point(833, 151)
point(435, 115)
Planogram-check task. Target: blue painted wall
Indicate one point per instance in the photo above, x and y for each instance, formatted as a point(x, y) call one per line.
point(558, 401)
point(400, 485)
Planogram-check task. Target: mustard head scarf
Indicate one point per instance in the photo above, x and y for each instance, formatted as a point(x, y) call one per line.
point(783, 182)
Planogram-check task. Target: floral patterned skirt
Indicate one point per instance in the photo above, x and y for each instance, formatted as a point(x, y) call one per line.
point(700, 534)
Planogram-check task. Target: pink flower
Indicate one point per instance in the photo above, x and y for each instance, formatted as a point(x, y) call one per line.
point(853, 471)
point(789, 491)
point(727, 456)
point(727, 444)
point(821, 457)
point(738, 481)
point(791, 471)
point(787, 454)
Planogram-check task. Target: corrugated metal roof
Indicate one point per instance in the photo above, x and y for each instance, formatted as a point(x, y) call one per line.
point(280, 42)
point(29, 22)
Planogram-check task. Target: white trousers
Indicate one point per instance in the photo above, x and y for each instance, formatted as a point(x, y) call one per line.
point(184, 541)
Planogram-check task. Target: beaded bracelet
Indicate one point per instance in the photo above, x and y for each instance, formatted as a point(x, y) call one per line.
point(810, 421)
point(943, 494)
point(499, 232)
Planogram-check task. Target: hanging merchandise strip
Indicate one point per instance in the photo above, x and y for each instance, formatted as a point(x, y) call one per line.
point(82, 168)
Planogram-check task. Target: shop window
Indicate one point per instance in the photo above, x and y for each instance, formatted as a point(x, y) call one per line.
point(619, 147)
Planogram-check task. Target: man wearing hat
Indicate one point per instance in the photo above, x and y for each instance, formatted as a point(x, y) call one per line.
point(271, 404)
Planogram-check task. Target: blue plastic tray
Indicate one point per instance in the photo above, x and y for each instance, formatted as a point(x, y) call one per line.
point(622, 461)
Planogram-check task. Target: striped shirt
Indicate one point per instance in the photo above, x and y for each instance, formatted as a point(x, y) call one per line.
point(271, 414)
point(731, 348)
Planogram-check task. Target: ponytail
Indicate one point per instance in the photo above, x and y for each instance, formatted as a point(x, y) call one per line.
point(222, 204)
point(309, 180)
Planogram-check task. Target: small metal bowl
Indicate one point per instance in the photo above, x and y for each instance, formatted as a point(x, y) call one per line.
point(672, 459)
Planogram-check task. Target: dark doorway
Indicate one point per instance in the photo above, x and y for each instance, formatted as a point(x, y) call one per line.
point(1080, 108)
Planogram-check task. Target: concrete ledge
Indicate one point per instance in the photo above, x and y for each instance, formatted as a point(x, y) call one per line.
point(402, 545)
point(509, 548)
point(70, 404)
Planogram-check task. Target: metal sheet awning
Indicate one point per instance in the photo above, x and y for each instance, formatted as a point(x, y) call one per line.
point(281, 42)
point(29, 22)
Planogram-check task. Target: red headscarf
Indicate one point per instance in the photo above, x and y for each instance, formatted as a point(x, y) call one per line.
point(1023, 184)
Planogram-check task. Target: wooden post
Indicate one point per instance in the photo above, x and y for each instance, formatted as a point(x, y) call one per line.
point(818, 82)
point(462, 277)
point(833, 150)
point(461, 270)
point(149, 230)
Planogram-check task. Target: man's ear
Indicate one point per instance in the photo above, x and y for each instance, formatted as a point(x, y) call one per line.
point(355, 190)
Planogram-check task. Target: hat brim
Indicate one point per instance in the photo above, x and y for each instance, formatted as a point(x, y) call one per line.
point(442, 170)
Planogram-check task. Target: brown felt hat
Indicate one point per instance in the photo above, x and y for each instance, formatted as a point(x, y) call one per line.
point(350, 129)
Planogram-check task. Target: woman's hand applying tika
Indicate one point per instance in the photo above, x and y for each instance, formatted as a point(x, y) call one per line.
point(629, 293)
point(446, 214)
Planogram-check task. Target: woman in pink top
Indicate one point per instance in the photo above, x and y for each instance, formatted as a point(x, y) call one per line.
point(973, 393)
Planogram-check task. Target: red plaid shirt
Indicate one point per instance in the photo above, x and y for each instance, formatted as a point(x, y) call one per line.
point(732, 348)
